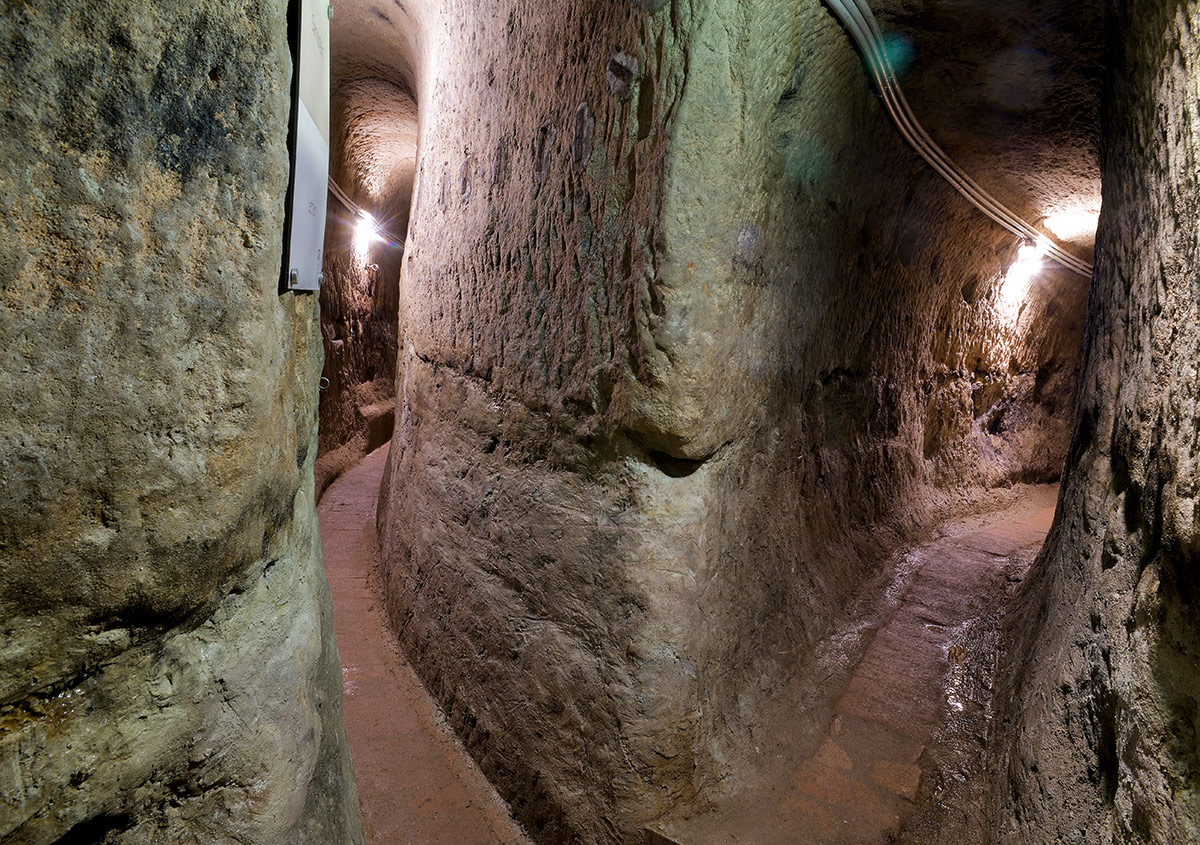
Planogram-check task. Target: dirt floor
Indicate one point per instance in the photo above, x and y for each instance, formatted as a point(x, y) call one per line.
point(416, 784)
point(878, 743)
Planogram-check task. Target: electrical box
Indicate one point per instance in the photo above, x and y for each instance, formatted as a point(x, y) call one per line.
point(304, 221)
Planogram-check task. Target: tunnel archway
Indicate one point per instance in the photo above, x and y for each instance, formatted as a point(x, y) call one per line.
point(375, 126)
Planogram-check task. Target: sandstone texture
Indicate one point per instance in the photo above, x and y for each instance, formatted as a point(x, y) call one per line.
point(1103, 706)
point(167, 667)
point(689, 340)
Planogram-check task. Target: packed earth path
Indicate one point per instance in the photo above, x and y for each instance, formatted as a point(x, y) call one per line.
point(416, 783)
point(888, 751)
point(883, 754)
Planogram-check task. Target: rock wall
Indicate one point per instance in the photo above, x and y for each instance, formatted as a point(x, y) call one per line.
point(1104, 709)
point(689, 340)
point(167, 665)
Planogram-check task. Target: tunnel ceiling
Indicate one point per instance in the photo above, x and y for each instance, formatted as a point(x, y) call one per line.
point(1008, 88)
point(373, 64)
point(374, 38)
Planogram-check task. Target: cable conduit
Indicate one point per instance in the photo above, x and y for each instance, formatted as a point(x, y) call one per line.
point(350, 205)
point(860, 23)
point(362, 214)
point(866, 34)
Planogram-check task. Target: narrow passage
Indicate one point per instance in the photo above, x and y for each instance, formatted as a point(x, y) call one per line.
point(416, 783)
point(904, 728)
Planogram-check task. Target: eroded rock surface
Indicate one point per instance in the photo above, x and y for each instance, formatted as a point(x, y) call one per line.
point(167, 667)
point(689, 341)
point(1106, 707)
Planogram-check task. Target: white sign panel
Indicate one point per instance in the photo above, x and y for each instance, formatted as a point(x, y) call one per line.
point(305, 228)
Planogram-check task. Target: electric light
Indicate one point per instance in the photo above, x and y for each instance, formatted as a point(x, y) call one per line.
point(366, 231)
point(860, 23)
point(1019, 275)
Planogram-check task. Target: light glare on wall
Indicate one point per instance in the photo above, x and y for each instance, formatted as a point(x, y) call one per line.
point(366, 232)
point(1073, 223)
point(1020, 274)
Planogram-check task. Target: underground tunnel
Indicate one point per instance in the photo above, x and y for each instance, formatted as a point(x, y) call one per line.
point(718, 421)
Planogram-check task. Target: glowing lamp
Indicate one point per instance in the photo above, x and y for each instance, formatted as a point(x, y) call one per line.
point(366, 231)
point(1020, 274)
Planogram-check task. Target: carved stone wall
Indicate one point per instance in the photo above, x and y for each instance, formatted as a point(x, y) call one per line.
point(1105, 696)
point(689, 341)
point(167, 664)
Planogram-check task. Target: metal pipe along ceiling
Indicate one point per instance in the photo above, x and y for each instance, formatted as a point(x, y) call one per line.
point(857, 18)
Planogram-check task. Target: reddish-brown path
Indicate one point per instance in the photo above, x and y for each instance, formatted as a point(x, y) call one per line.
point(923, 680)
point(855, 788)
point(416, 784)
